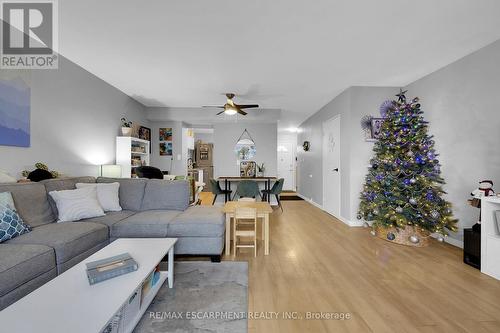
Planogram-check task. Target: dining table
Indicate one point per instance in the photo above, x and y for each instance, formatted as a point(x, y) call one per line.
point(228, 179)
point(263, 210)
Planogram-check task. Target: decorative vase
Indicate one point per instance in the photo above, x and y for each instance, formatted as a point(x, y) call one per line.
point(260, 173)
point(126, 131)
point(409, 235)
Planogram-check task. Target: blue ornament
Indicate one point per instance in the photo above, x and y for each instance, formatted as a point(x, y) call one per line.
point(419, 159)
point(406, 182)
point(391, 236)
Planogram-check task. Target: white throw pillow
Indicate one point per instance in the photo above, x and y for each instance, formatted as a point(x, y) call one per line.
point(74, 205)
point(6, 178)
point(107, 194)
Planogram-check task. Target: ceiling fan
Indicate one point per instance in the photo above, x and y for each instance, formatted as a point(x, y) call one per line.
point(231, 108)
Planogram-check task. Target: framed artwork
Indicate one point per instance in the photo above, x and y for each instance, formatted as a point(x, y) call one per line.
point(15, 108)
point(145, 134)
point(165, 134)
point(165, 148)
point(376, 128)
point(247, 168)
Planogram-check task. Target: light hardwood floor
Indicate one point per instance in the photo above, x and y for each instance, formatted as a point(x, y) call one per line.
point(318, 264)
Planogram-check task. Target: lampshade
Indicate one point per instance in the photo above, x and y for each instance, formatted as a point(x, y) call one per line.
point(111, 171)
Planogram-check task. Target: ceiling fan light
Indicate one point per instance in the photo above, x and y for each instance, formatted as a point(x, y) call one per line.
point(230, 111)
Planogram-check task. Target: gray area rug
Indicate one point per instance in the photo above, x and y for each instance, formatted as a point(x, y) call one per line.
point(207, 297)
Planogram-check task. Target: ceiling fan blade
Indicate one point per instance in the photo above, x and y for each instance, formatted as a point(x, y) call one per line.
point(214, 106)
point(247, 106)
point(243, 113)
point(220, 112)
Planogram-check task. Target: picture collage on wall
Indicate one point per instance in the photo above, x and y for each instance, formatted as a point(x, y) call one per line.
point(165, 138)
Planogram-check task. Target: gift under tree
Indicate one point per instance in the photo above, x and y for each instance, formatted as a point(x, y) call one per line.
point(403, 192)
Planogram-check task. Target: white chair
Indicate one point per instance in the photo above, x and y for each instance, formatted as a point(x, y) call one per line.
point(247, 199)
point(245, 225)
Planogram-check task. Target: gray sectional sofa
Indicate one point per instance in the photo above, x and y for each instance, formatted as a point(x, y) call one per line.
point(151, 208)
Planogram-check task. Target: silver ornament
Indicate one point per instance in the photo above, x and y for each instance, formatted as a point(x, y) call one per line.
point(409, 153)
point(413, 180)
point(414, 239)
point(434, 214)
point(399, 209)
point(359, 216)
point(413, 201)
point(366, 225)
point(375, 211)
point(373, 233)
point(440, 238)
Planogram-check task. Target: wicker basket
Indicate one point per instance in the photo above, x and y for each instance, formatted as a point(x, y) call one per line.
point(402, 235)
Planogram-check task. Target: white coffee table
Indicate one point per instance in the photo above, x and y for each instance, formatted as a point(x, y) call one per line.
point(69, 304)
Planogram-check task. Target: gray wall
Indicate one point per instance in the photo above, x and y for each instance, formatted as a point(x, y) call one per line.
point(355, 152)
point(225, 159)
point(75, 117)
point(460, 102)
point(168, 163)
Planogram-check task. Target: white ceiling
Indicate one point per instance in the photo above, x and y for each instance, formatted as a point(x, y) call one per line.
point(283, 54)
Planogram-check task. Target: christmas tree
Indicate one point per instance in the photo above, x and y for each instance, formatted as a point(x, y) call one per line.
point(403, 186)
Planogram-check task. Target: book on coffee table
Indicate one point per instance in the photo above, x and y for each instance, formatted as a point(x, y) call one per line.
point(108, 268)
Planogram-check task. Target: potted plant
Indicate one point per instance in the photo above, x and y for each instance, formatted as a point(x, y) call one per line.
point(126, 127)
point(260, 169)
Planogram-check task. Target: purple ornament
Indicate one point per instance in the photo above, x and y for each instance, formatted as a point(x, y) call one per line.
point(379, 177)
point(431, 155)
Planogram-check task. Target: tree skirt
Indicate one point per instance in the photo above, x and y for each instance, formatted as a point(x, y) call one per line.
point(208, 297)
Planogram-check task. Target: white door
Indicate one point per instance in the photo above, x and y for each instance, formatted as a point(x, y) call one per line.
point(286, 164)
point(287, 150)
point(331, 166)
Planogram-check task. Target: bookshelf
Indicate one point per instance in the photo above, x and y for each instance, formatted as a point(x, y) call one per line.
point(131, 153)
point(490, 236)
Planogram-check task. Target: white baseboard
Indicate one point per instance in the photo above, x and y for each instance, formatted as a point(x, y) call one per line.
point(340, 218)
point(451, 241)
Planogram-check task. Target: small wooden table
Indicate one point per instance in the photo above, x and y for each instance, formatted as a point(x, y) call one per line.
point(228, 179)
point(263, 211)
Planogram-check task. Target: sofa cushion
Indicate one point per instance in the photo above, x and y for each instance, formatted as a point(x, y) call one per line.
point(68, 239)
point(11, 224)
point(61, 184)
point(198, 221)
point(152, 223)
point(20, 263)
point(166, 194)
point(77, 204)
point(110, 218)
point(131, 191)
point(31, 202)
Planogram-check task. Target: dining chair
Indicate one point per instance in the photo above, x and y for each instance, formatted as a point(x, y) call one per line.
point(245, 225)
point(216, 190)
point(247, 189)
point(276, 190)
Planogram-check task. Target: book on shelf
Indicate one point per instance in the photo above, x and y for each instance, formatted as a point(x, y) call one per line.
point(108, 268)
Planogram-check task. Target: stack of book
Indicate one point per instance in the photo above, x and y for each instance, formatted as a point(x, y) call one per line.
point(105, 269)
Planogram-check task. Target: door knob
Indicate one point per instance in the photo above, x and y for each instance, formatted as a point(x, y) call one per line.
point(336, 169)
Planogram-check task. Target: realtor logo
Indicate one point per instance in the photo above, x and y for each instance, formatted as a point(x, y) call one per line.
point(29, 34)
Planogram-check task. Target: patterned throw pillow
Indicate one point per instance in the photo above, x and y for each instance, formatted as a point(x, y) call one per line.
point(11, 224)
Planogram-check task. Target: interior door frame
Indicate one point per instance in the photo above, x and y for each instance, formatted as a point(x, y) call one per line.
point(324, 152)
